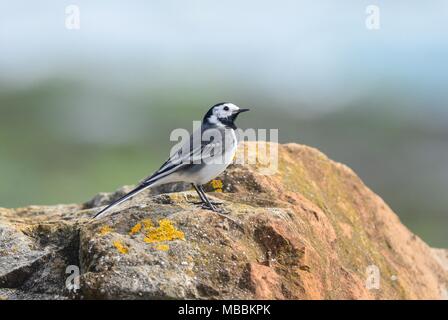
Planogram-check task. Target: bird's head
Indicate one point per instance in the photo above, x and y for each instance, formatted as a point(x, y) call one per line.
point(223, 114)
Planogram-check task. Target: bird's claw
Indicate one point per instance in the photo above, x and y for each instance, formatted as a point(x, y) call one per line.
point(221, 213)
point(215, 203)
point(214, 208)
point(210, 206)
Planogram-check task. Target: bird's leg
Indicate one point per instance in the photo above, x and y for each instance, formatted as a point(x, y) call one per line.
point(203, 197)
point(206, 199)
point(209, 205)
point(199, 193)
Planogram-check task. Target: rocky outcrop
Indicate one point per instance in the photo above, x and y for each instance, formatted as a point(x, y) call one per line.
point(312, 230)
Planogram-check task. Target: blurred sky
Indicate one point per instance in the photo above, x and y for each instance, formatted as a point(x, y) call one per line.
point(317, 49)
point(93, 102)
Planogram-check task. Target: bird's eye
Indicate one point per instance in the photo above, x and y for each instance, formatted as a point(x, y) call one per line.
point(226, 108)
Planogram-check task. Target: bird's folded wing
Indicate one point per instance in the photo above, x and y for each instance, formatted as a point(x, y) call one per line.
point(205, 152)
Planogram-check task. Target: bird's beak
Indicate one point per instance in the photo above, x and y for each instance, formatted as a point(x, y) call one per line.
point(242, 110)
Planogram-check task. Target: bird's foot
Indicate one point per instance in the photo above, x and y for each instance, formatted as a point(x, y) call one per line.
point(221, 213)
point(215, 203)
point(209, 206)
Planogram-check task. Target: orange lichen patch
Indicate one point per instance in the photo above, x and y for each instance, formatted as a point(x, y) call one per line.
point(105, 230)
point(162, 247)
point(136, 229)
point(164, 232)
point(217, 185)
point(120, 247)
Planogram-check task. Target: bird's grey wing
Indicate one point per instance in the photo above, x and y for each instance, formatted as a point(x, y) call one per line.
point(181, 156)
point(193, 152)
point(212, 147)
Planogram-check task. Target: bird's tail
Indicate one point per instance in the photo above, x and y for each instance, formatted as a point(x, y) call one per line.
point(134, 192)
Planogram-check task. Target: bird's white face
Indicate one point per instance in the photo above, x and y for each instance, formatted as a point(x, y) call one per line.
point(223, 115)
point(224, 111)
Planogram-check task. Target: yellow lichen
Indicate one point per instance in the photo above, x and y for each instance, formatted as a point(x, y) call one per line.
point(217, 185)
point(164, 232)
point(162, 247)
point(136, 229)
point(147, 224)
point(120, 247)
point(105, 230)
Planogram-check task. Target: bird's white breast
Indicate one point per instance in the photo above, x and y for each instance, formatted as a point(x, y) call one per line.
point(212, 170)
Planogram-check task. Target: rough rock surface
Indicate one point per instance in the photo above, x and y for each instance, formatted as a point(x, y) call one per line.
point(312, 230)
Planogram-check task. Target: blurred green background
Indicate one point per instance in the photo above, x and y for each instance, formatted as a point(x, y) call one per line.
point(89, 110)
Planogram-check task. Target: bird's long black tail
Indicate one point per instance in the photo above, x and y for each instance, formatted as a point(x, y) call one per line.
point(137, 190)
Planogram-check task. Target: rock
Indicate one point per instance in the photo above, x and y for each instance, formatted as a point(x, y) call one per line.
point(312, 230)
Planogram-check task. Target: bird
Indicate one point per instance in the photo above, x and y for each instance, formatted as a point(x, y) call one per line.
point(204, 156)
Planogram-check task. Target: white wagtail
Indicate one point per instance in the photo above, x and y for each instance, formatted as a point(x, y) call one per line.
point(206, 155)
